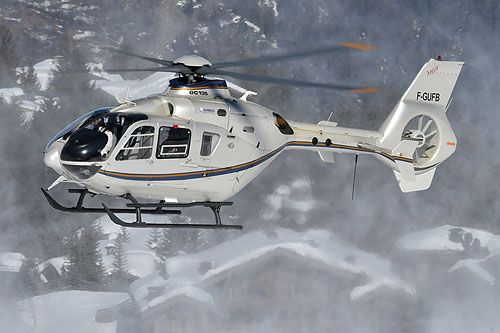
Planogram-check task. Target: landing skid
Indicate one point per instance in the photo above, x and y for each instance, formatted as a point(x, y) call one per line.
point(161, 208)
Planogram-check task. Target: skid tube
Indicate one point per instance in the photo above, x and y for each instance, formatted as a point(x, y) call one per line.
point(145, 208)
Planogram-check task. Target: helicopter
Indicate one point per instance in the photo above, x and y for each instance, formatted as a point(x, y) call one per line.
point(198, 145)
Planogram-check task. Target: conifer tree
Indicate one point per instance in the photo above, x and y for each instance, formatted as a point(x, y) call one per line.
point(120, 264)
point(84, 268)
point(124, 235)
point(29, 276)
point(153, 239)
point(8, 56)
point(120, 277)
point(166, 245)
point(29, 81)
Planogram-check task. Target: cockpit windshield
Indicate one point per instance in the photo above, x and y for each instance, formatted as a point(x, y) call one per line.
point(96, 137)
point(75, 123)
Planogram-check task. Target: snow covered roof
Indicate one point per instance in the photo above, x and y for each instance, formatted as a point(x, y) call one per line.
point(475, 246)
point(140, 290)
point(10, 261)
point(69, 311)
point(318, 248)
point(448, 238)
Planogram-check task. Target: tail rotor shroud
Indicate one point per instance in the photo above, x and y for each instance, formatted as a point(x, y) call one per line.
point(423, 129)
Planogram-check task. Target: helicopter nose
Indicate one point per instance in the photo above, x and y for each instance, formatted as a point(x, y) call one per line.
point(52, 157)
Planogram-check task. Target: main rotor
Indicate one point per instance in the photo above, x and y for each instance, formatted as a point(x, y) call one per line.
point(194, 68)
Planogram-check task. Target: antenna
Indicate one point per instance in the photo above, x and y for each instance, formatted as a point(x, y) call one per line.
point(354, 176)
point(330, 116)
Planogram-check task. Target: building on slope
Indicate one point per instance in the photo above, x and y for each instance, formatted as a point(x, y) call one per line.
point(261, 280)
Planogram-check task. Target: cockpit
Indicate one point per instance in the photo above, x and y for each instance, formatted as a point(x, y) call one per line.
point(93, 139)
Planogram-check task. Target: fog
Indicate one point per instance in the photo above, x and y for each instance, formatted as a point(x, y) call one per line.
point(465, 188)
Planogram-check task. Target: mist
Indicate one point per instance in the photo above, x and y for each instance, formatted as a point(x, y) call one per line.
point(464, 191)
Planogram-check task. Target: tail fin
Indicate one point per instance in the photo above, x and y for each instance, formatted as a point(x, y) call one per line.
point(420, 116)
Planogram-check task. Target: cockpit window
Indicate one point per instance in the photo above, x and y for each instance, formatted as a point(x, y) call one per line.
point(75, 123)
point(139, 146)
point(173, 142)
point(96, 137)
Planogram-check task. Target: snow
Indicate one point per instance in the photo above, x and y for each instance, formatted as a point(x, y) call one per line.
point(10, 261)
point(84, 34)
point(296, 197)
point(44, 71)
point(69, 311)
point(474, 266)
point(141, 260)
point(153, 84)
point(318, 248)
point(116, 86)
point(57, 262)
point(8, 94)
point(480, 246)
point(188, 291)
point(252, 25)
point(29, 103)
point(273, 5)
point(440, 239)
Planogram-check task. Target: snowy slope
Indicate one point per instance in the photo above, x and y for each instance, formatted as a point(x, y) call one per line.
point(28, 104)
point(155, 83)
point(44, 71)
point(69, 311)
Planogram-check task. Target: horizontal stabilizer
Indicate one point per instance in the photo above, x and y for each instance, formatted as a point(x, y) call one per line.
point(405, 148)
point(421, 181)
point(406, 170)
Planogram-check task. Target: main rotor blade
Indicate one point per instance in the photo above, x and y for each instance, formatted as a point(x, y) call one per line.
point(291, 82)
point(264, 60)
point(139, 56)
point(170, 69)
point(153, 69)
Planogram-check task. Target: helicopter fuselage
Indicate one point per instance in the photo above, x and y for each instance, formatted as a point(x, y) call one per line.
point(193, 144)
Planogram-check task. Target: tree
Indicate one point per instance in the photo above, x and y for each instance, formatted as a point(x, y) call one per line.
point(8, 58)
point(166, 246)
point(153, 239)
point(124, 235)
point(29, 80)
point(120, 264)
point(29, 276)
point(84, 267)
point(120, 277)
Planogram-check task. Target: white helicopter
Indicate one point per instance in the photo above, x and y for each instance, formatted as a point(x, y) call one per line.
point(197, 145)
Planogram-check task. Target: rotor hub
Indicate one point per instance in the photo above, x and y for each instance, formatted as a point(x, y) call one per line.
point(193, 61)
point(420, 136)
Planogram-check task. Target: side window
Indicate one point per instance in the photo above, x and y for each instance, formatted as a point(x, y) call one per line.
point(173, 142)
point(139, 146)
point(209, 141)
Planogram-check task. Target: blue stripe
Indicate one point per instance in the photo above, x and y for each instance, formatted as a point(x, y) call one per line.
point(236, 168)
